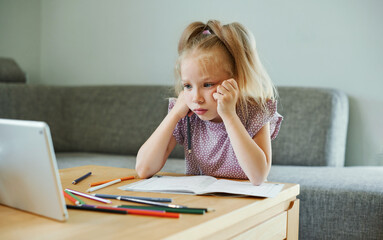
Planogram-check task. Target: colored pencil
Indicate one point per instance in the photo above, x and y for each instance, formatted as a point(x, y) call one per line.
point(166, 209)
point(145, 212)
point(102, 182)
point(121, 197)
point(103, 185)
point(89, 196)
point(85, 207)
point(74, 196)
point(153, 203)
point(70, 198)
point(81, 178)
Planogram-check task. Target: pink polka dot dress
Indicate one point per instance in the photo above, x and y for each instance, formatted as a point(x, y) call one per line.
point(212, 153)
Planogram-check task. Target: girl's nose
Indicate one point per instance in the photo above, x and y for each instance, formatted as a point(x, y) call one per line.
point(197, 97)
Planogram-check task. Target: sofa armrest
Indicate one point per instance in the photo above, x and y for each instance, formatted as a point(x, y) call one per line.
point(10, 72)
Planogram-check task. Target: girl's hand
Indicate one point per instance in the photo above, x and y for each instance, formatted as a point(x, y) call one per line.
point(227, 97)
point(180, 108)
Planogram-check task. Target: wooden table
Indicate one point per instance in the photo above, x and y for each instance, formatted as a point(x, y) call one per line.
point(233, 218)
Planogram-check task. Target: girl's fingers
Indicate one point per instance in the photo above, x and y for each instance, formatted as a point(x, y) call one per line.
point(233, 83)
point(180, 106)
point(216, 96)
point(230, 85)
point(222, 90)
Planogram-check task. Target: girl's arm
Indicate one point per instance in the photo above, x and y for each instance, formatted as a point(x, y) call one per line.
point(253, 154)
point(154, 152)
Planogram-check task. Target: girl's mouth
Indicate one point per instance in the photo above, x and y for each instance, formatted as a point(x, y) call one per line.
point(200, 111)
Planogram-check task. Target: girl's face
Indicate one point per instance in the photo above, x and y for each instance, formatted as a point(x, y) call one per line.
point(200, 77)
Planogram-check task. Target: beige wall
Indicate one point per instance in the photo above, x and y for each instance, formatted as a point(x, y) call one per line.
point(335, 44)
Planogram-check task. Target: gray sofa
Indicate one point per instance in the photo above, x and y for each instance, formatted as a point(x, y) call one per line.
point(106, 125)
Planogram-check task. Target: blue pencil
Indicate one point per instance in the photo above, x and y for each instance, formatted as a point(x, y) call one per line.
point(81, 178)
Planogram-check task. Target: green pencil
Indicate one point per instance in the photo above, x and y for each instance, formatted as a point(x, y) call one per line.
point(176, 210)
point(75, 197)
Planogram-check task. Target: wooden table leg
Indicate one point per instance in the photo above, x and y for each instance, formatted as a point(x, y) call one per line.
point(293, 220)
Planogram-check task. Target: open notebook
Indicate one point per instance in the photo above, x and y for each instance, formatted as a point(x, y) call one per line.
point(29, 178)
point(203, 185)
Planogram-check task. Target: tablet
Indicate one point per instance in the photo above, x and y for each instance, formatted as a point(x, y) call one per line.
point(29, 178)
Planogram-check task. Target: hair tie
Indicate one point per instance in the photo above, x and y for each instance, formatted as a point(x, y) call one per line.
point(206, 32)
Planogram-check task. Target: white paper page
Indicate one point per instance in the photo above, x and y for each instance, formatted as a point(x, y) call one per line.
point(243, 188)
point(189, 184)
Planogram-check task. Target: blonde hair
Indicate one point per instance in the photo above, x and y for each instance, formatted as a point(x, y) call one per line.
point(243, 62)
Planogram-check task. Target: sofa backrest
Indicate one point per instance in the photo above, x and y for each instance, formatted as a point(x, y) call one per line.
point(105, 119)
point(314, 128)
point(113, 119)
point(119, 119)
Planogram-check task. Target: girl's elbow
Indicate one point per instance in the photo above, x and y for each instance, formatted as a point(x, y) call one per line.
point(257, 181)
point(259, 177)
point(143, 171)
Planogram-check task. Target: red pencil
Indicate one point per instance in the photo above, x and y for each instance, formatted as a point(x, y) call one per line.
point(72, 199)
point(153, 213)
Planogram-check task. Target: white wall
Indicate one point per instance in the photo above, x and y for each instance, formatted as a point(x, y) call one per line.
point(20, 34)
point(325, 43)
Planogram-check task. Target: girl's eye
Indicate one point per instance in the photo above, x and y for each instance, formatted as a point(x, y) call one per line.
point(187, 86)
point(208, 84)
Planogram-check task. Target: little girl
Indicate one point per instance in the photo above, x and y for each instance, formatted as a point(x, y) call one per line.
point(225, 115)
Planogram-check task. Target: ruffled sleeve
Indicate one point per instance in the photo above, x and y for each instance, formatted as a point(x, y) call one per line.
point(177, 133)
point(257, 119)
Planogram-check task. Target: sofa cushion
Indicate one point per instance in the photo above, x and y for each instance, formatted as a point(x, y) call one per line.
point(314, 128)
point(337, 203)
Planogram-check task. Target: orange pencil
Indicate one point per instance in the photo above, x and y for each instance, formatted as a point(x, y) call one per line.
point(70, 198)
point(106, 181)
